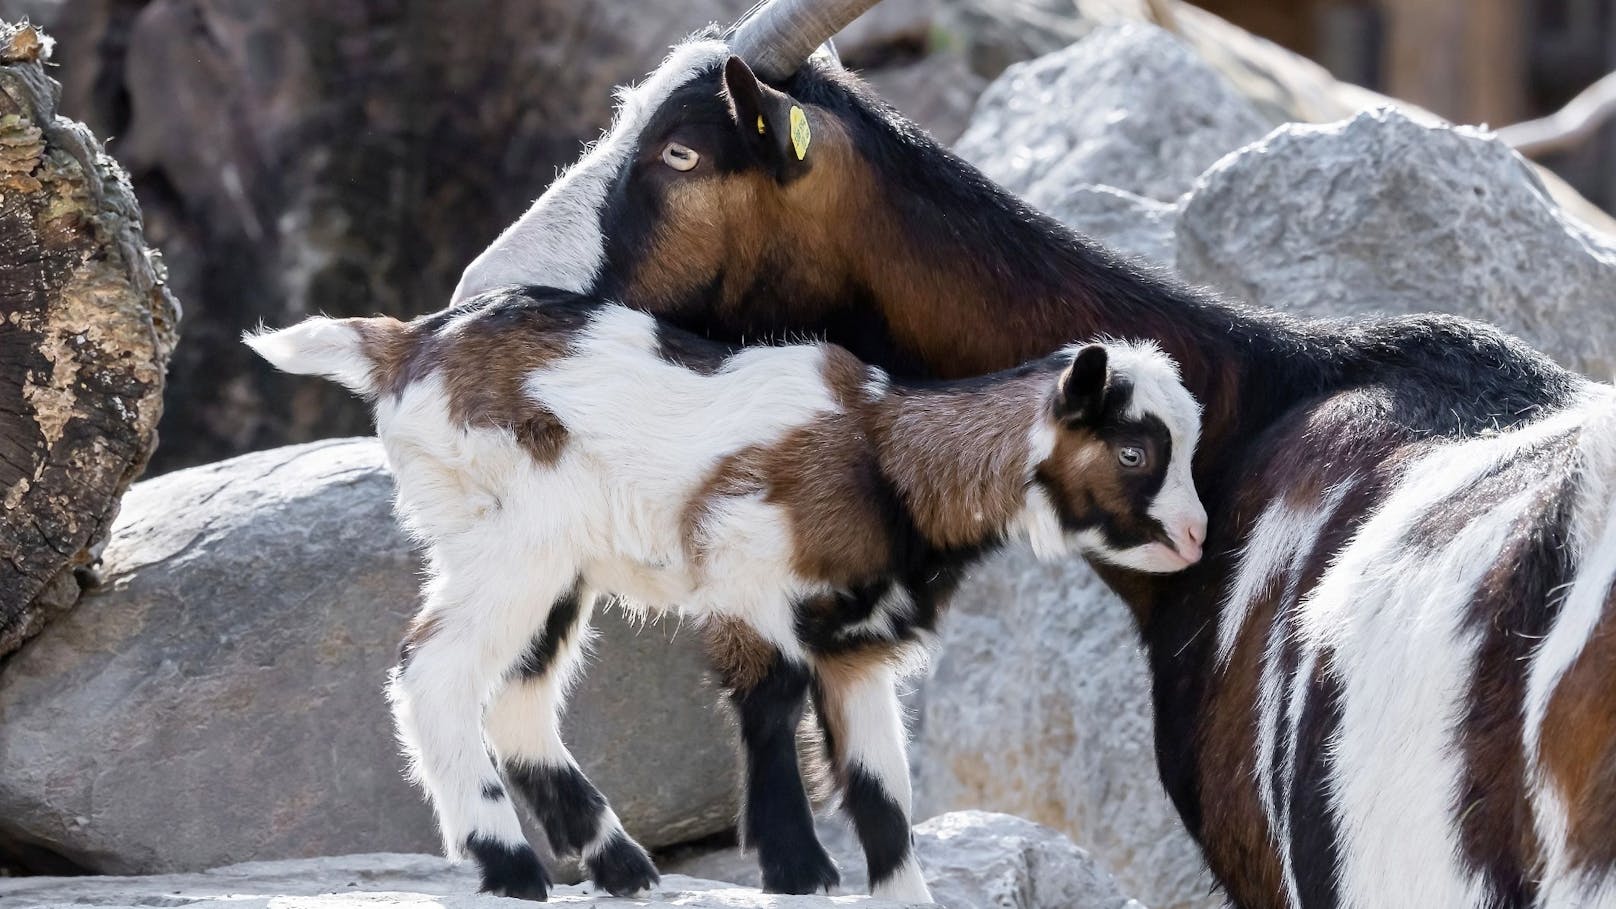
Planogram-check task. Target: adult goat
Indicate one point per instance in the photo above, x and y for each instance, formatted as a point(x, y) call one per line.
point(1389, 683)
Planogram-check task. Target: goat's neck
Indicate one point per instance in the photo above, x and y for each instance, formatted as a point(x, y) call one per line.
point(970, 280)
point(959, 455)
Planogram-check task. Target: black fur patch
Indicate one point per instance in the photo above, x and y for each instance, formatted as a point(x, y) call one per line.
point(568, 806)
point(778, 819)
point(689, 351)
point(493, 791)
point(882, 826)
point(622, 868)
point(509, 870)
point(558, 627)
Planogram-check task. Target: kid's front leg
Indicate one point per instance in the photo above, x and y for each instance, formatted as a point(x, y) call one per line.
point(768, 691)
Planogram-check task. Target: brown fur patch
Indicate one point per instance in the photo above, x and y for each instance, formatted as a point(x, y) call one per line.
point(1579, 745)
point(1228, 772)
point(483, 369)
point(389, 345)
point(960, 459)
point(483, 364)
point(739, 655)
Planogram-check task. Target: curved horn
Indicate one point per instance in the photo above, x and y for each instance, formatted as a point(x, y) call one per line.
point(775, 38)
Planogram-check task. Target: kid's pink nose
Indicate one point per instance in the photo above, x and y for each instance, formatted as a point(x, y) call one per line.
point(1188, 538)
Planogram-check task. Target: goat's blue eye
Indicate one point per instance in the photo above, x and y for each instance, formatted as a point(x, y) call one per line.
point(1131, 457)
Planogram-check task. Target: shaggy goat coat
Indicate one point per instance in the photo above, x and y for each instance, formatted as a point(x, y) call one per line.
point(549, 448)
point(1390, 682)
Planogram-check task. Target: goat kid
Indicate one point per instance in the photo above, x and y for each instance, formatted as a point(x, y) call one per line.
point(550, 448)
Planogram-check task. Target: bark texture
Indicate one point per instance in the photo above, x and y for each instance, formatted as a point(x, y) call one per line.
point(86, 329)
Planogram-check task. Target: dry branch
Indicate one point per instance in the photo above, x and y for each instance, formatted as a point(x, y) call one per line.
point(1567, 127)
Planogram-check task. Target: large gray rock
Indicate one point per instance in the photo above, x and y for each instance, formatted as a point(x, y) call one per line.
point(938, 92)
point(1128, 107)
point(1040, 707)
point(971, 859)
point(1380, 214)
point(1126, 223)
point(220, 698)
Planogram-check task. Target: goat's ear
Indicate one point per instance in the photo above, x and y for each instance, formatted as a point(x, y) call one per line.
point(1081, 395)
point(772, 126)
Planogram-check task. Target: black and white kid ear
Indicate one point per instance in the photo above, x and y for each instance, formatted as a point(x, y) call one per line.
point(1081, 395)
point(773, 126)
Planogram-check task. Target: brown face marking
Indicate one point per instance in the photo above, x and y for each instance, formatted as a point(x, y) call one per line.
point(745, 228)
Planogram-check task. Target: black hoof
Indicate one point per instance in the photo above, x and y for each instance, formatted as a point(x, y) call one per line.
point(622, 868)
point(804, 870)
point(509, 870)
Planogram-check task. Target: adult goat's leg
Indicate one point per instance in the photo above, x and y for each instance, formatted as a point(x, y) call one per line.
point(450, 664)
point(768, 691)
point(857, 699)
point(524, 727)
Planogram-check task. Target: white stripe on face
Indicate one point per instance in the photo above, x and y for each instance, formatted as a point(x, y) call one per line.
point(558, 242)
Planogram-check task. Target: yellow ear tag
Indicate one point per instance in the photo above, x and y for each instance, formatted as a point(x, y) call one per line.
point(799, 131)
point(760, 124)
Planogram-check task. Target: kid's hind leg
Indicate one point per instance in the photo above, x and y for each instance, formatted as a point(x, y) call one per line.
point(524, 729)
point(452, 660)
point(857, 699)
point(768, 691)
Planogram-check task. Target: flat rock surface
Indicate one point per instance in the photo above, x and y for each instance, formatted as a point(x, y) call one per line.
point(220, 698)
point(973, 860)
point(394, 880)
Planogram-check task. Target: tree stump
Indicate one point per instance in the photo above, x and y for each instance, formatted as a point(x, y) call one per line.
point(86, 329)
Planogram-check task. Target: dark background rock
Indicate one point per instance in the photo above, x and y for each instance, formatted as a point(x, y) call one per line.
point(351, 156)
point(220, 697)
point(86, 327)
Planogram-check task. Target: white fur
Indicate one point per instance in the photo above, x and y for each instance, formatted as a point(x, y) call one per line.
point(1387, 622)
point(1282, 537)
point(315, 347)
point(508, 536)
point(1594, 539)
point(558, 242)
point(872, 739)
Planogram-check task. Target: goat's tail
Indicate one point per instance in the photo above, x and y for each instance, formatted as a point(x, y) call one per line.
point(358, 353)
